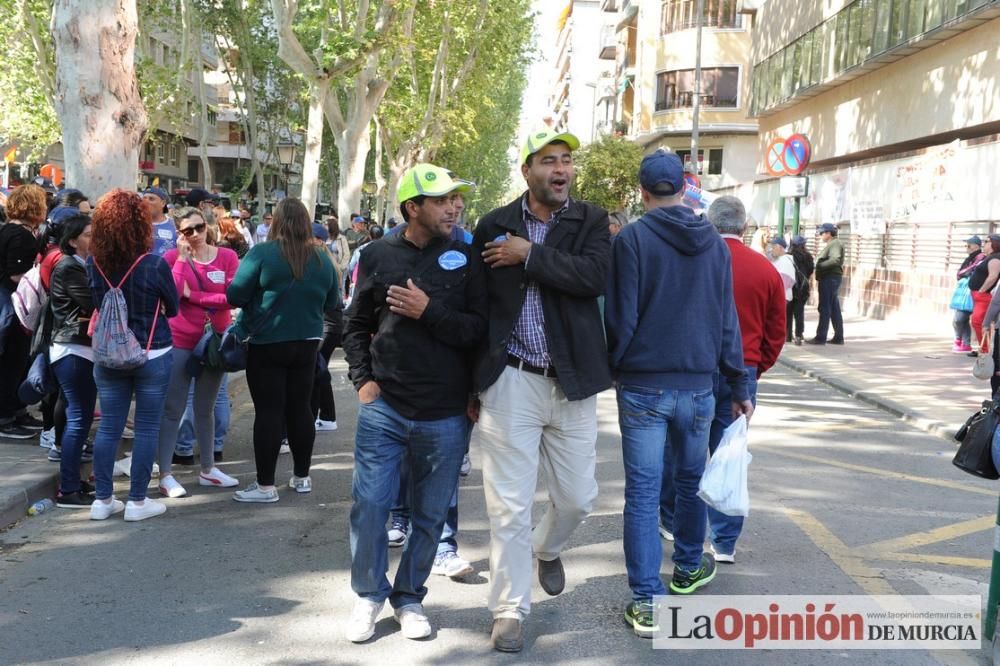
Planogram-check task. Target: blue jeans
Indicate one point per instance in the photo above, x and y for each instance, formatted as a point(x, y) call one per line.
point(116, 387)
point(223, 412)
point(76, 379)
point(829, 309)
point(401, 510)
point(654, 422)
point(725, 530)
point(433, 452)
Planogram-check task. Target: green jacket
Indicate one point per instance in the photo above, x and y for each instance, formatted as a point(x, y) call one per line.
point(830, 262)
point(262, 277)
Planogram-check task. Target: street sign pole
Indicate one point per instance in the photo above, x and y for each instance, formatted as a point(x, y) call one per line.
point(795, 216)
point(781, 216)
point(994, 596)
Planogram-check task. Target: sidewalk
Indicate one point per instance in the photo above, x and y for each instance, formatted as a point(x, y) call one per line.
point(903, 366)
point(26, 475)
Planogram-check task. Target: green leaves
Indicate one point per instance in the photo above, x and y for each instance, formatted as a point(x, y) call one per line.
point(607, 173)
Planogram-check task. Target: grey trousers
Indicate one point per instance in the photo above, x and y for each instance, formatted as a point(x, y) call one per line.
point(206, 388)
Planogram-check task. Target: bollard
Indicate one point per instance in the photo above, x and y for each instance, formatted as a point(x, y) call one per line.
point(993, 599)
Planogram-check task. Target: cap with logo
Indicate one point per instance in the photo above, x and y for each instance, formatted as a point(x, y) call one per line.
point(538, 140)
point(430, 181)
point(662, 173)
point(156, 191)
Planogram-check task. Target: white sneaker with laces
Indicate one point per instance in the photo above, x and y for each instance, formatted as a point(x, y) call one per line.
point(361, 625)
point(47, 439)
point(301, 484)
point(451, 565)
point(254, 493)
point(148, 509)
point(413, 621)
point(217, 478)
point(100, 510)
point(284, 448)
point(171, 487)
point(728, 558)
point(325, 426)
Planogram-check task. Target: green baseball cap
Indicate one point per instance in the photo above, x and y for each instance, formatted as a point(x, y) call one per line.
point(538, 140)
point(429, 180)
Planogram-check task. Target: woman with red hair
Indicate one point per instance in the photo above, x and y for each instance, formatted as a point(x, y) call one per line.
point(25, 211)
point(122, 237)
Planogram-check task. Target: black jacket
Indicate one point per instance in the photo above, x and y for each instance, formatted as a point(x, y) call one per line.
point(570, 269)
point(423, 367)
point(71, 302)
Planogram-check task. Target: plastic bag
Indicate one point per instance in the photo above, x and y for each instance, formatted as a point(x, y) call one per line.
point(724, 484)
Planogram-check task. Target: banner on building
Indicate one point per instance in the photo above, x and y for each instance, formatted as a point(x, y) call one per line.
point(925, 187)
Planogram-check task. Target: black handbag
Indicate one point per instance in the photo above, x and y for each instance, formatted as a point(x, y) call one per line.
point(233, 346)
point(206, 351)
point(975, 455)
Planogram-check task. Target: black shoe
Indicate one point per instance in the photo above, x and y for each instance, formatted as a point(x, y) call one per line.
point(87, 488)
point(507, 635)
point(686, 582)
point(87, 455)
point(973, 354)
point(77, 500)
point(836, 341)
point(183, 460)
point(552, 576)
point(639, 616)
point(28, 421)
point(217, 455)
point(55, 454)
point(14, 431)
point(814, 341)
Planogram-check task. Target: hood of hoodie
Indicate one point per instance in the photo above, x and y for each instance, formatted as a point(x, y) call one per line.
point(688, 232)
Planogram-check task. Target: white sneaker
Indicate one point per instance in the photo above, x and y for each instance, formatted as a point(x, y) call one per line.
point(128, 433)
point(466, 466)
point(284, 448)
point(666, 534)
point(101, 511)
point(301, 484)
point(123, 467)
point(148, 509)
point(413, 621)
point(47, 439)
point(361, 625)
point(325, 426)
point(156, 470)
point(728, 558)
point(216, 477)
point(254, 493)
point(451, 565)
point(170, 487)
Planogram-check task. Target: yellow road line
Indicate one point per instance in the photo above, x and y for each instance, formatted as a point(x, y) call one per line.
point(942, 483)
point(971, 562)
point(869, 580)
point(936, 535)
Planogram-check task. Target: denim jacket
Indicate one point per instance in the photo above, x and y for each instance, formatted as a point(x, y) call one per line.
point(150, 285)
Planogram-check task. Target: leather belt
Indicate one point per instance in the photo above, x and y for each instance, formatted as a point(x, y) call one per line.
point(520, 364)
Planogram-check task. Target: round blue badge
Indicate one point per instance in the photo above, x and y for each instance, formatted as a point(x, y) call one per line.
point(500, 239)
point(452, 260)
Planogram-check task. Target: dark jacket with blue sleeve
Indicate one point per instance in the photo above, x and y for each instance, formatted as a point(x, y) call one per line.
point(150, 286)
point(669, 310)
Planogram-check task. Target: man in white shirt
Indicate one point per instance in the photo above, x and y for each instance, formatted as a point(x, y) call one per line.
point(784, 263)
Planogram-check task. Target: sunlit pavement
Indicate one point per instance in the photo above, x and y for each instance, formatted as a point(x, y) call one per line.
point(845, 500)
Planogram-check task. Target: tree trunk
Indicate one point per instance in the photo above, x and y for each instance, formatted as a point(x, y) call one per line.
point(396, 170)
point(205, 128)
point(352, 147)
point(314, 146)
point(97, 93)
point(383, 199)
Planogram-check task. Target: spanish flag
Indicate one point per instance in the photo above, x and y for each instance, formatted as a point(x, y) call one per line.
point(10, 154)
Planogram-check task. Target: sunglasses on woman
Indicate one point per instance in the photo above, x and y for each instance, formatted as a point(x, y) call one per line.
point(193, 229)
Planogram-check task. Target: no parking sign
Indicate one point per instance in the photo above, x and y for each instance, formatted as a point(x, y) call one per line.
point(787, 157)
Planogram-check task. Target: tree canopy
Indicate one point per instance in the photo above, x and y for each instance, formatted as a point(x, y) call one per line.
point(607, 173)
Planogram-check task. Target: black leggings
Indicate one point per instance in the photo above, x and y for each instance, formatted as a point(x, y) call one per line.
point(280, 377)
point(53, 408)
point(323, 405)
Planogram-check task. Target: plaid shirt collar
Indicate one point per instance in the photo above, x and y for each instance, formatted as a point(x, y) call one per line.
point(531, 217)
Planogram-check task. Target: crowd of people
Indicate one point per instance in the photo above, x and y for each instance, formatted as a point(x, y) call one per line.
point(500, 336)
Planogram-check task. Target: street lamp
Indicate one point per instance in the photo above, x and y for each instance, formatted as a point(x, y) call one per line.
point(286, 155)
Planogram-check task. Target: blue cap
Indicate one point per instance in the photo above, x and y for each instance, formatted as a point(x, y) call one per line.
point(320, 231)
point(827, 227)
point(158, 191)
point(61, 213)
point(975, 240)
point(662, 174)
point(778, 240)
point(798, 240)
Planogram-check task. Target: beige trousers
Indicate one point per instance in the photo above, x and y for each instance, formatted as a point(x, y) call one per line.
point(526, 422)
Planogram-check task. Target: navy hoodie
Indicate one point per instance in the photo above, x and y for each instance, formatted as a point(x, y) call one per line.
point(669, 310)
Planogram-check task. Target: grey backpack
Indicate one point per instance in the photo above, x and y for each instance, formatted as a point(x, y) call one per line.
point(115, 345)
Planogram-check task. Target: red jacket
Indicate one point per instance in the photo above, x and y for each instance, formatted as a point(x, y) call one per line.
point(760, 306)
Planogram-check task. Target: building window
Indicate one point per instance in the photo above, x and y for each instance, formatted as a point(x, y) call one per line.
point(714, 161)
point(681, 15)
point(720, 88)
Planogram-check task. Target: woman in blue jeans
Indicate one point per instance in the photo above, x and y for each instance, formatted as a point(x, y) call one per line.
point(71, 358)
point(119, 256)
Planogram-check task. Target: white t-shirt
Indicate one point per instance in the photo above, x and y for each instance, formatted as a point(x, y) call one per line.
point(786, 269)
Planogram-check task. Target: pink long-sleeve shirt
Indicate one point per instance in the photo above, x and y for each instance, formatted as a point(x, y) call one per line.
point(208, 298)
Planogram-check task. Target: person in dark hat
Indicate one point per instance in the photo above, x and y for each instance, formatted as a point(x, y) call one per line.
point(796, 314)
point(961, 319)
point(829, 274)
point(154, 199)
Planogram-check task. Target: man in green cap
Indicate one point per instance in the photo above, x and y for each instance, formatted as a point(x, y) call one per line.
point(419, 308)
point(538, 373)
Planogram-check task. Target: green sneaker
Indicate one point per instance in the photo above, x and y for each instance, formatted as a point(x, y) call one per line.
point(639, 614)
point(686, 582)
